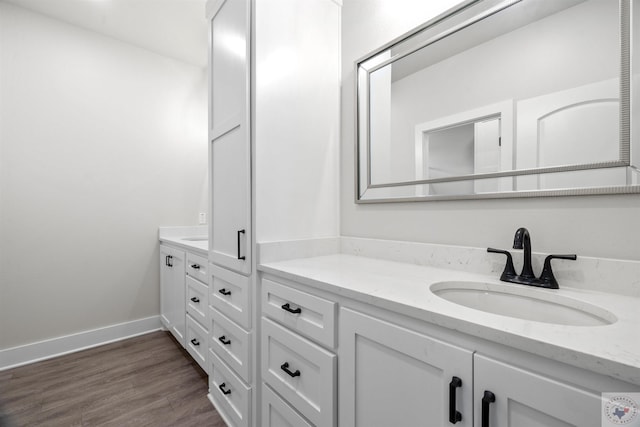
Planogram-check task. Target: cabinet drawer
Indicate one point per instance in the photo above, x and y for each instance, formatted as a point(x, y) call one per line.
point(197, 267)
point(231, 295)
point(229, 394)
point(231, 343)
point(307, 314)
point(276, 412)
point(197, 297)
point(196, 341)
point(300, 371)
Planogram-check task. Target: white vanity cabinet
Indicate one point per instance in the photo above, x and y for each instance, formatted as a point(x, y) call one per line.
point(298, 356)
point(230, 345)
point(395, 369)
point(184, 297)
point(197, 308)
point(172, 291)
point(391, 375)
point(509, 396)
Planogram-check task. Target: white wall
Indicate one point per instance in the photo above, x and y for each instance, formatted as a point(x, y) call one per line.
point(101, 142)
point(605, 226)
point(297, 119)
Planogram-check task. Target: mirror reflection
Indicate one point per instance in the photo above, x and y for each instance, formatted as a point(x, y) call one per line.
point(499, 97)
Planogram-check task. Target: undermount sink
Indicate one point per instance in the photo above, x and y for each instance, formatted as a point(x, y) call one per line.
point(196, 239)
point(522, 302)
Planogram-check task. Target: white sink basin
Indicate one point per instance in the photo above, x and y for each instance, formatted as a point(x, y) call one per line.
point(523, 302)
point(196, 239)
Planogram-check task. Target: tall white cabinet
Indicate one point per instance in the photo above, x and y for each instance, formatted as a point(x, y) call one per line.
point(274, 109)
point(229, 134)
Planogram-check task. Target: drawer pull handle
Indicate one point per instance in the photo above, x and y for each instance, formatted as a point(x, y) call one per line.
point(288, 308)
point(195, 342)
point(195, 299)
point(168, 261)
point(454, 415)
point(242, 257)
point(225, 292)
point(285, 367)
point(487, 399)
point(223, 339)
point(195, 266)
point(222, 386)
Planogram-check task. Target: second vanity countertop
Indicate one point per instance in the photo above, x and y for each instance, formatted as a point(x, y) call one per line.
point(612, 350)
point(198, 245)
point(193, 239)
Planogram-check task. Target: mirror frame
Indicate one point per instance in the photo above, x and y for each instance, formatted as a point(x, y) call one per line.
point(362, 136)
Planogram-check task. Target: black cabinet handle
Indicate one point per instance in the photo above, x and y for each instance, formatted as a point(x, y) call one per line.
point(225, 292)
point(195, 266)
point(239, 233)
point(222, 386)
point(454, 415)
point(285, 367)
point(195, 299)
point(223, 339)
point(487, 399)
point(287, 307)
point(168, 260)
point(195, 342)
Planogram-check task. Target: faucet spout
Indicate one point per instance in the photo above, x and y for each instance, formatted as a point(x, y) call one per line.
point(522, 240)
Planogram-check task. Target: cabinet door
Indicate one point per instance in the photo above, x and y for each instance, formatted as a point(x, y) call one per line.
point(393, 376)
point(229, 135)
point(526, 399)
point(172, 291)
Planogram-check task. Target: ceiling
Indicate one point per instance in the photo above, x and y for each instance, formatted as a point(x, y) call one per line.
point(174, 28)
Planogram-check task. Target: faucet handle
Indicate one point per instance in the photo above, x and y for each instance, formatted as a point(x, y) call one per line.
point(509, 271)
point(547, 278)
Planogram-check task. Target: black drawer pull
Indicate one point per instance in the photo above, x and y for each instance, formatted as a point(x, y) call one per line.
point(287, 307)
point(195, 266)
point(225, 292)
point(454, 415)
point(222, 386)
point(195, 299)
point(168, 261)
point(223, 339)
point(195, 342)
point(487, 399)
point(285, 367)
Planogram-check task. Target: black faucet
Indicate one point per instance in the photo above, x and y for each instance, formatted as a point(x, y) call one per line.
point(522, 240)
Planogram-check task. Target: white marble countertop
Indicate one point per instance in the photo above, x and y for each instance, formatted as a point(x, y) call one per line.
point(192, 239)
point(199, 247)
point(612, 350)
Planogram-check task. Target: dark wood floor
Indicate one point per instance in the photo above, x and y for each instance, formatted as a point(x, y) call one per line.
point(144, 381)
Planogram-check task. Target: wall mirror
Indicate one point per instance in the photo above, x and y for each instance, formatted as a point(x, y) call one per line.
point(501, 98)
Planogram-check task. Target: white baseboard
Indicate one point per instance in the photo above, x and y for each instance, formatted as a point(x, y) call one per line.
point(42, 350)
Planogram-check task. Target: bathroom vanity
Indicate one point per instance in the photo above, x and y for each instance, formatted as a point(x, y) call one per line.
point(359, 341)
point(358, 332)
point(184, 288)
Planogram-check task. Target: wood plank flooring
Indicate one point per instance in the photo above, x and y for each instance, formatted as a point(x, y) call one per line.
point(144, 381)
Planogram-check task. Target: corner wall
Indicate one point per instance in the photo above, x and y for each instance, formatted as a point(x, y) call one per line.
point(101, 142)
point(600, 226)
